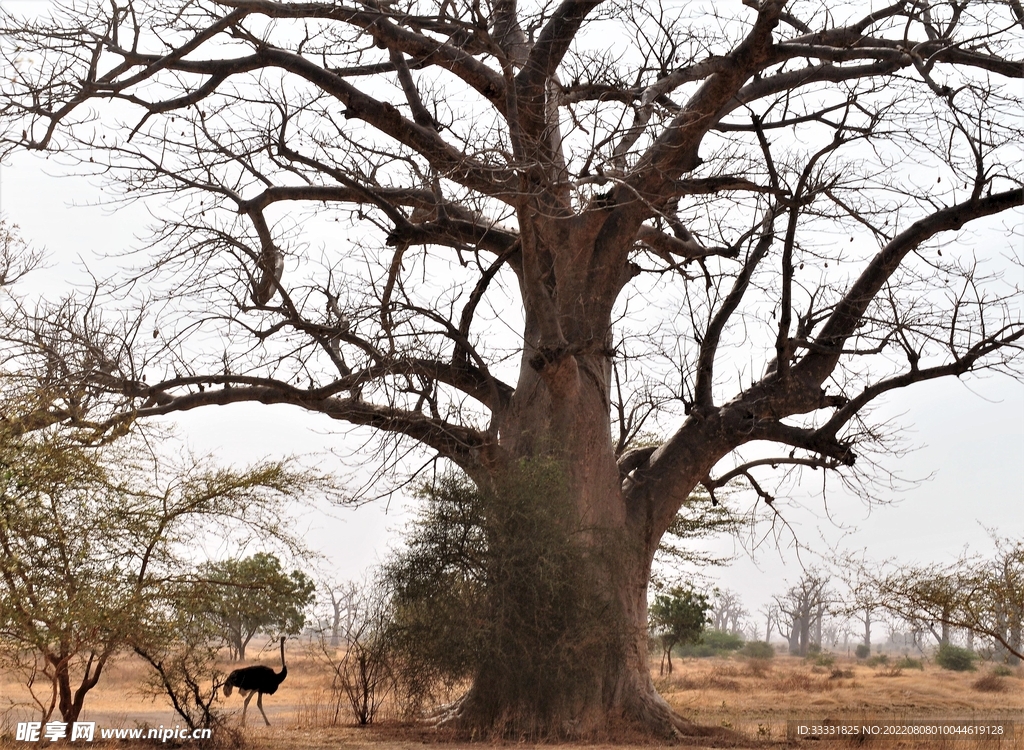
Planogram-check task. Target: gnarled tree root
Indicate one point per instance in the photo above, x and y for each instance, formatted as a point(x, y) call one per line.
point(649, 717)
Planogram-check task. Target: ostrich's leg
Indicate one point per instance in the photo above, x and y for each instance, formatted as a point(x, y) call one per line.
point(245, 706)
point(259, 705)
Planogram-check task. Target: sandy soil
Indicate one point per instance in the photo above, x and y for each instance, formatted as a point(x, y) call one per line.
point(755, 699)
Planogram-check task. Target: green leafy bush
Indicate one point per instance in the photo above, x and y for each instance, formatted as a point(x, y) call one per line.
point(907, 663)
point(822, 659)
point(712, 643)
point(863, 651)
point(758, 650)
point(955, 658)
point(722, 641)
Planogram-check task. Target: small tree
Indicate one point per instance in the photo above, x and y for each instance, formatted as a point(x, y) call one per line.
point(250, 595)
point(677, 617)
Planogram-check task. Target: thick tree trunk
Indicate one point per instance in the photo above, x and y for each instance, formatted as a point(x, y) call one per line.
point(578, 669)
point(567, 648)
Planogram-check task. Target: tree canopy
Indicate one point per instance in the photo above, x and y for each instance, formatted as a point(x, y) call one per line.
point(483, 230)
point(250, 595)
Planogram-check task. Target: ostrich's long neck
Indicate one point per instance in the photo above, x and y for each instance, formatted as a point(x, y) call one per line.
point(284, 667)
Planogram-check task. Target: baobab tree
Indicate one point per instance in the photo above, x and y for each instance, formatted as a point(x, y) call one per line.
point(727, 612)
point(560, 228)
point(801, 611)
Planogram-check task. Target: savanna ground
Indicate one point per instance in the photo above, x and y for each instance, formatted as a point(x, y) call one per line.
point(754, 698)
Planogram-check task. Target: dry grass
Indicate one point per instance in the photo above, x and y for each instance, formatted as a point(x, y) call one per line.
point(754, 697)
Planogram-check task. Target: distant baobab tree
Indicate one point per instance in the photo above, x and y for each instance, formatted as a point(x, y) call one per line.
point(525, 236)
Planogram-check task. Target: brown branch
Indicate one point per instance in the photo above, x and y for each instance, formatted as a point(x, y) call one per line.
point(382, 28)
point(842, 323)
point(452, 441)
point(675, 150)
point(703, 396)
point(821, 441)
point(1009, 336)
point(689, 248)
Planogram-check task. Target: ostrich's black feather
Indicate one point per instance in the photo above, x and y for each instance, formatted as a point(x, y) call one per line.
point(258, 679)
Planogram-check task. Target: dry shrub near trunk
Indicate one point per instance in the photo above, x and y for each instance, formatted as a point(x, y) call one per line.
point(362, 670)
point(990, 683)
point(365, 675)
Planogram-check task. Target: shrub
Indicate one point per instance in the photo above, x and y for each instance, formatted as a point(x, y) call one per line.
point(720, 641)
point(758, 650)
point(712, 643)
point(758, 667)
point(822, 659)
point(955, 658)
point(1002, 670)
point(907, 663)
point(863, 651)
point(990, 683)
point(797, 681)
point(878, 660)
point(894, 671)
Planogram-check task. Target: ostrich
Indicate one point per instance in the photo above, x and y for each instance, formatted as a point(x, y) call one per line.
point(259, 680)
